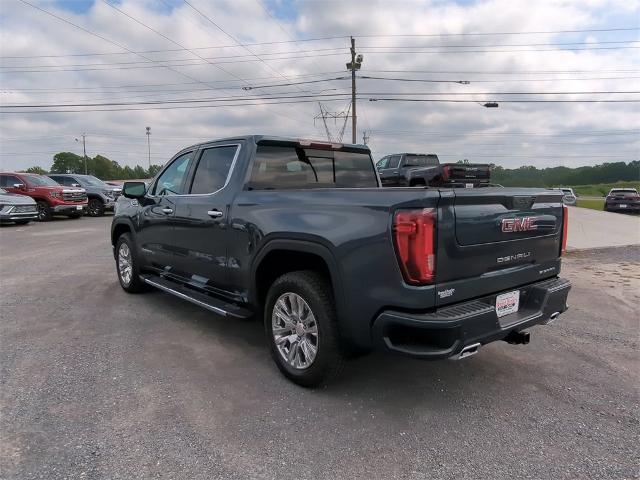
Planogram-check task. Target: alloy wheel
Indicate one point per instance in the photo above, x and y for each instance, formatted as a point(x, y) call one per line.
point(295, 330)
point(125, 266)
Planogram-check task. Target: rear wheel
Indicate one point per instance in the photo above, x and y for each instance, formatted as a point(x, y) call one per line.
point(44, 212)
point(95, 208)
point(301, 327)
point(127, 266)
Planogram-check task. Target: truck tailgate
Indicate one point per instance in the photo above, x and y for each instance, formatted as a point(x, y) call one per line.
point(467, 173)
point(498, 238)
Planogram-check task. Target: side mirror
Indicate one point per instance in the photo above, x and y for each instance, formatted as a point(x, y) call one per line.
point(134, 189)
point(19, 186)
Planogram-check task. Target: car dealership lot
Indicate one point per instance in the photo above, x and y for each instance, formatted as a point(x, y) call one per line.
point(96, 383)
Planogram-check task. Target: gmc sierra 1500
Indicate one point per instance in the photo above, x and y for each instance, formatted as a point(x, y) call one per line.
point(300, 233)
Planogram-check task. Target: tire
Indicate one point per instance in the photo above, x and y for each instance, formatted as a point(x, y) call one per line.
point(131, 283)
point(284, 331)
point(95, 207)
point(21, 222)
point(44, 212)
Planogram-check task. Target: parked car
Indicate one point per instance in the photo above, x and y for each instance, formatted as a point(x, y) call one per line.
point(300, 233)
point(416, 169)
point(622, 199)
point(101, 196)
point(15, 208)
point(569, 197)
point(51, 197)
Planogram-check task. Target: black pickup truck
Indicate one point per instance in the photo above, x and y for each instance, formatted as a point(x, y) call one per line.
point(419, 170)
point(300, 234)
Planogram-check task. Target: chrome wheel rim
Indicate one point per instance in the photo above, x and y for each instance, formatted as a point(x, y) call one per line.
point(125, 268)
point(295, 330)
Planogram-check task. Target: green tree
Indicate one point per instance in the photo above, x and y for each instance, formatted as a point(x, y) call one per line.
point(67, 162)
point(153, 170)
point(36, 169)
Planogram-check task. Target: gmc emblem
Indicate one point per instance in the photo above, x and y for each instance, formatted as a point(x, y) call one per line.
point(523, 224)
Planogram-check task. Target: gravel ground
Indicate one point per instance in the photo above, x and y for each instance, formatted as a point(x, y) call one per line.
point(99, 384)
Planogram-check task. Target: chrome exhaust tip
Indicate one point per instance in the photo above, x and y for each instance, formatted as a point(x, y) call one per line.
point(552, 318)
point(468, 351)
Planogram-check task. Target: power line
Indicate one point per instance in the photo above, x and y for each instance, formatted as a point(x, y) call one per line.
point(449, 100)
point(469, 34)
point(101, 37)
point(317, 39)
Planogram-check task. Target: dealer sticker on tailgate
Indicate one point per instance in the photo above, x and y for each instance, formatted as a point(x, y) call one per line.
point(507, 303)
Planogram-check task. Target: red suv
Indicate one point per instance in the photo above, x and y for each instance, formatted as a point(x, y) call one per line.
point(51, 197)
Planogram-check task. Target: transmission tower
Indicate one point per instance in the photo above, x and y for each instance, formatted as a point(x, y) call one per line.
point(325, 114)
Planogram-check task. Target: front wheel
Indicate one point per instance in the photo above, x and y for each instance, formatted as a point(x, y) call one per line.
point(127, 266)
point(95, 208)
point(44, 212)
point(301, 327)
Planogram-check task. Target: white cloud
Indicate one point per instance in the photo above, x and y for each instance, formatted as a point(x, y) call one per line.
point(454, 131)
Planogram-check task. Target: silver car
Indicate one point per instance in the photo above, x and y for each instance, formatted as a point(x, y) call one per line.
point(569, 197)
point(17, 208)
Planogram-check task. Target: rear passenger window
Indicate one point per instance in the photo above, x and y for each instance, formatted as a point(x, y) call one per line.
point(281, 167)
point(213, 169)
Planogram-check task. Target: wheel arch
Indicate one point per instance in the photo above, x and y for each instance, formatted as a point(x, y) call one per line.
point(280, 256)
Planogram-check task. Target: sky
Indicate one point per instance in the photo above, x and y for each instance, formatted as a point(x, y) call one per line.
point(198, 70)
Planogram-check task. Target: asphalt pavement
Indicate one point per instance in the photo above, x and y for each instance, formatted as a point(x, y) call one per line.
point(96, 383)
point(596, 229)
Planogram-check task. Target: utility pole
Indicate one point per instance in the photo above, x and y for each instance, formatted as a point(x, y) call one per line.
point(353, 65)
point(149, 144)
point(365, 137)
point(84, 152)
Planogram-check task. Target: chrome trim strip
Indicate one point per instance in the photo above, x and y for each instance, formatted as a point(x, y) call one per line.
point(186, 297)
point(226, 182)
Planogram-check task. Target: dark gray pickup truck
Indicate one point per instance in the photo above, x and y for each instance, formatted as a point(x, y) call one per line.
point(300, 234)
point(420, 170)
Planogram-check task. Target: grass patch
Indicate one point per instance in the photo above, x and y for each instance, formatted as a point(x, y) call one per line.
point(601, 189)
point(592, 203)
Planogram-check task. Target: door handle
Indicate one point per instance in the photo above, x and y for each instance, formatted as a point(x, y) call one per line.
point(167, 210)
point(214, 213)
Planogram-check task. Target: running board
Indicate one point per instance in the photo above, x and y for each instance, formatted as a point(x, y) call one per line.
point(202, 300)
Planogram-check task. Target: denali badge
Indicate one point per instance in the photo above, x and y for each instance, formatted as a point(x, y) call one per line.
point(522, 224)
point(514, 257)
point(446, 293)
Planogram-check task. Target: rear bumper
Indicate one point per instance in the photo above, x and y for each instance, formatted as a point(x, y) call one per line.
point(446, 331)
point(630, 207)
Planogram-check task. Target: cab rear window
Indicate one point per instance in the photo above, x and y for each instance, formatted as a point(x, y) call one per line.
point(288, 167)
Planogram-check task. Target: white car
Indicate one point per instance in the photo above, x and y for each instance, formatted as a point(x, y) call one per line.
point(569, 197)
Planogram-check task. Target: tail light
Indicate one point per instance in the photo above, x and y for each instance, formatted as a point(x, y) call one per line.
point(414, 234)
point(446, 174)
point(565, 228)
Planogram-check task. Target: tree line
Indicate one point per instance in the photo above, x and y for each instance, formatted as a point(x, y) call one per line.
point(525, 176)
point(99, 166)
point(530, 176)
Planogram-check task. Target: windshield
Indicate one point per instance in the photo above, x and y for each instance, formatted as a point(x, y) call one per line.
point(567, 191)
point(421, 161)
point(41, 181)
point(93, 181)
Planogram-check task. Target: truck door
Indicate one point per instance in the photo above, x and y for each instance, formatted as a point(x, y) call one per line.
point(390, 172)
point(156, 232)
point(202, 222)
